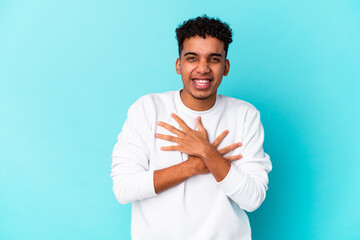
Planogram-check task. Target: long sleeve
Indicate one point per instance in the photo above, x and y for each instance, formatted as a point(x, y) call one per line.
point(247, 180)
point(132, 179)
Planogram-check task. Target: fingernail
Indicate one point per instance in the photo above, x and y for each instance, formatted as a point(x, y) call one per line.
point(172, 114)
point(227, 131)
point(240, 144)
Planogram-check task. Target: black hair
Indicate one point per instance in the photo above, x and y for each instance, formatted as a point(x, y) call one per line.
point(203, 26)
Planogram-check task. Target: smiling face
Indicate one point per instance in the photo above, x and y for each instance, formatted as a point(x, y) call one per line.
point(202, 65)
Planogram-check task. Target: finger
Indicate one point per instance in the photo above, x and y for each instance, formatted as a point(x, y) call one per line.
point(166, 137)
point(219, 139)
point(179, 121)
point(234, 158)
point(229, 148)
point(199, 124)
point(169, 127)
point(170, 148)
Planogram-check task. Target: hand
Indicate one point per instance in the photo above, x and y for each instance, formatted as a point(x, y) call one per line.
point(199, 165)
point(188, 141)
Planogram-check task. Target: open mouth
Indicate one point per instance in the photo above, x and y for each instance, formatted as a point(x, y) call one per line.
point(201, 83)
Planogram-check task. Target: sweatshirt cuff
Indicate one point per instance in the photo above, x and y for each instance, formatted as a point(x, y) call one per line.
point(233, 180)
point(146, 186)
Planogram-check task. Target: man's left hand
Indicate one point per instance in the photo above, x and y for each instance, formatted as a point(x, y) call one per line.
point(189, 141)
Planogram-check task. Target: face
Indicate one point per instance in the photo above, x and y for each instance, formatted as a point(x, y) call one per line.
point(202, 65)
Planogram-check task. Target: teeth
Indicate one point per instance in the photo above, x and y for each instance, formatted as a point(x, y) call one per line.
point(201, 81)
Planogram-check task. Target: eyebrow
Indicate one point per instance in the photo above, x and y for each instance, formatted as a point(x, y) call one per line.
point(211, 54)
point(190, 53)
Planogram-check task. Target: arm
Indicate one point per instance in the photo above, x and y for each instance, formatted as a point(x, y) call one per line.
point(244, 182)
point(196, 143)
point(247, 181)
point(174, 175)
point(132, 179)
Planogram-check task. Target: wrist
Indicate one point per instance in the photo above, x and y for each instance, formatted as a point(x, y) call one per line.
point(190, 168)
point(208, 152)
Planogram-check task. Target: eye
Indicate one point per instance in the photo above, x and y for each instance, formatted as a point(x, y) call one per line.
point(215, 59)
point(191, 58)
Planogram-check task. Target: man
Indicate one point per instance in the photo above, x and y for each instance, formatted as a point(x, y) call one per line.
point(192, 161)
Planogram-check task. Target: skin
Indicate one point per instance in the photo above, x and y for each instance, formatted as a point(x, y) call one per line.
point(200, 59)
point(174, 175)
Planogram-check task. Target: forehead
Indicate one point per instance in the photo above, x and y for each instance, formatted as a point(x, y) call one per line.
point(203, 46)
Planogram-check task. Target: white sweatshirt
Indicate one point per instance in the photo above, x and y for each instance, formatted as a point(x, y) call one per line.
point(199, 208)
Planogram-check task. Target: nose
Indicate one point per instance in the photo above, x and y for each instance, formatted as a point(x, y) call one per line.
point(203, 67)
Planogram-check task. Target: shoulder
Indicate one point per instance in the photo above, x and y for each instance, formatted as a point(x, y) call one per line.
point(156, 97)
point(149, 104)
point(153, 99)
point(245, 113)
point(238, 105)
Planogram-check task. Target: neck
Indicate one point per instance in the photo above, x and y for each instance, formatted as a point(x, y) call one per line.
point(197, 104)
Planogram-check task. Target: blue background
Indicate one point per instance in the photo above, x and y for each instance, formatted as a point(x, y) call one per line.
point(69, 70)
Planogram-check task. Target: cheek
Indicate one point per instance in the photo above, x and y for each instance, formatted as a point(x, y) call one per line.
point(187, 70)
point(219, 71)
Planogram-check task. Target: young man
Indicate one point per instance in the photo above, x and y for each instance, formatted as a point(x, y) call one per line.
point(192, 161)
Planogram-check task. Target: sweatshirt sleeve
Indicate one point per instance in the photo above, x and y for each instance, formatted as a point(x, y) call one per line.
point(247, 180)
point(132, 179)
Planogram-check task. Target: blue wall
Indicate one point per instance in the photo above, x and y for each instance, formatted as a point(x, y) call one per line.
point(69, 70)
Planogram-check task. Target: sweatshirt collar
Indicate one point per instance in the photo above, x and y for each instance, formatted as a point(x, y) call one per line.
point(181, 106)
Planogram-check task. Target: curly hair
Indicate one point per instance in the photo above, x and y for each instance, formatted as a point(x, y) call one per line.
point(203, 26)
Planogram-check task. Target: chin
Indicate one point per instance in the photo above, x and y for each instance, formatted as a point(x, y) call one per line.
point(200, 97)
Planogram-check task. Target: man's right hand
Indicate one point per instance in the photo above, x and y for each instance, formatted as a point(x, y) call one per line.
point(176, 174)
point(198, 164)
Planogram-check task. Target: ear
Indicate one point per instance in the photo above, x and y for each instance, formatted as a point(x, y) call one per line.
point(227, 67)
point(177, 65)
